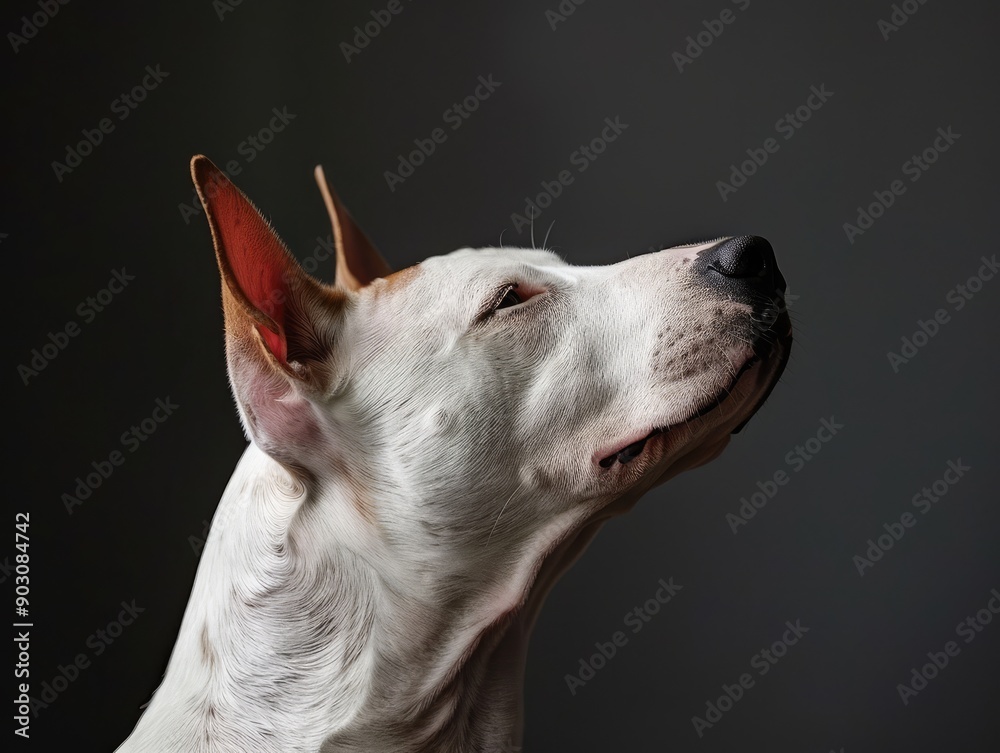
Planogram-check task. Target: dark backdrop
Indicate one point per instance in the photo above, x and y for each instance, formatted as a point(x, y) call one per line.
point(855, 296)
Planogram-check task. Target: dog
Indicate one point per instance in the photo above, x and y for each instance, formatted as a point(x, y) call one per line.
point(430, 449)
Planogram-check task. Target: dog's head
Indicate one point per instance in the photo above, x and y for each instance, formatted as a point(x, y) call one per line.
point(473, 399)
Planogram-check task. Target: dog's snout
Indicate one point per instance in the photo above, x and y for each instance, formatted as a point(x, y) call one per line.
point(745, 256)
point(747, 262)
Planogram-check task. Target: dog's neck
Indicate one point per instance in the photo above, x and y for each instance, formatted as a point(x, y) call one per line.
point(298, 638)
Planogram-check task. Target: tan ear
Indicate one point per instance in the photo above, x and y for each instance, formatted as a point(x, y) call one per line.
point(281, 324)
point(358, 261)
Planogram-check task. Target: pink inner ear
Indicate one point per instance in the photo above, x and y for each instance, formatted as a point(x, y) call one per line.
point(260, 271)
point(252, 256)
point(274, 290)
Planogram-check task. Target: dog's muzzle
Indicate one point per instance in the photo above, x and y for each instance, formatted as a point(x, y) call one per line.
point(741, 269)
point(744, 269)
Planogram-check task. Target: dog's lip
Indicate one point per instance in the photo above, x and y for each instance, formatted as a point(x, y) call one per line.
point(783, 345)
point(763, 351)
point(605, 459)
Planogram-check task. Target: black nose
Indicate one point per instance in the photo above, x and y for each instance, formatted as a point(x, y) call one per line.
point(744, 262)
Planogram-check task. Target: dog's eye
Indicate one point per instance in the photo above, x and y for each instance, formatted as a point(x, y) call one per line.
point(510, 298)
point(512, 295)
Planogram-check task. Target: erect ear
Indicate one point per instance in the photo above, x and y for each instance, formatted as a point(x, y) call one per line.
point(281, 324)
point(358, 261)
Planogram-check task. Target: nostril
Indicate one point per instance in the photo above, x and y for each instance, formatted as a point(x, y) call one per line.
point(743, 256)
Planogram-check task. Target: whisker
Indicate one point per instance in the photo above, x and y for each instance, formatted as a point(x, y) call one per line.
point(545, 243)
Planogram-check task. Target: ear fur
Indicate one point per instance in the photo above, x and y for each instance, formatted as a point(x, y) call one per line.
point(358, 261)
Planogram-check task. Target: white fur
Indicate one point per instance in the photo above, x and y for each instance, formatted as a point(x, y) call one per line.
point(381, 598)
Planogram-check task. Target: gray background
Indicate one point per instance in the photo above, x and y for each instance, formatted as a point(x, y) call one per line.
point(654, 186)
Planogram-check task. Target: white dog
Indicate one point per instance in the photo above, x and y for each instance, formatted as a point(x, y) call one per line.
point(430, 449)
